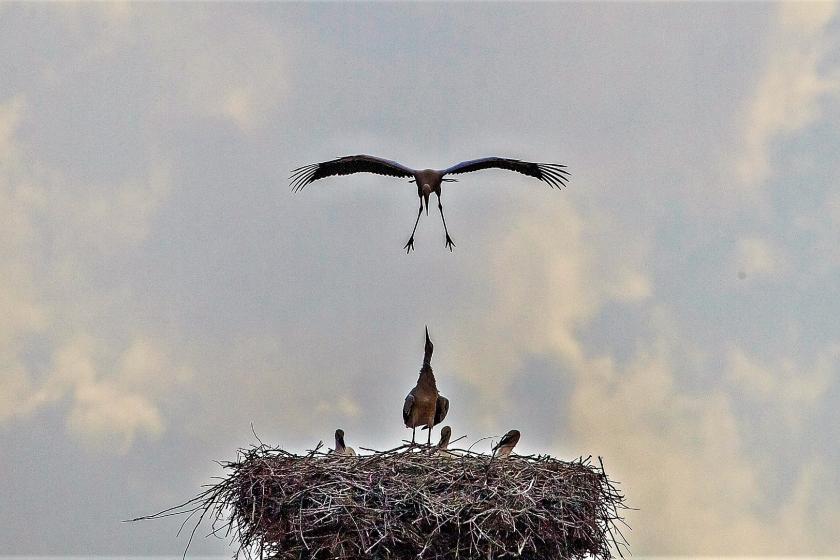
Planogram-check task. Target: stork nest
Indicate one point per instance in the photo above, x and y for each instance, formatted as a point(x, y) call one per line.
point(410, 503)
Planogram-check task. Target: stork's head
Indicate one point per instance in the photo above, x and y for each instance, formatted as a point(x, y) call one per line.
point(339, 436)
point(427, 357)
point(425, 191)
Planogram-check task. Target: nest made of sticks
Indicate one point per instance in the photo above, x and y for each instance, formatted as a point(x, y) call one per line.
point(411, 502)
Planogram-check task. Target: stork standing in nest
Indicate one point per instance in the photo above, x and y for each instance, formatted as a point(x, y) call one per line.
point(428, 180)
point(424, 405)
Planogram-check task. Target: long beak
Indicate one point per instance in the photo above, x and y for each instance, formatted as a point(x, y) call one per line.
point(426, 200)
point(427, 335)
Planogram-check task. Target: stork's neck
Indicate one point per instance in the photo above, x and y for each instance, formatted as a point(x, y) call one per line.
point(427, 377)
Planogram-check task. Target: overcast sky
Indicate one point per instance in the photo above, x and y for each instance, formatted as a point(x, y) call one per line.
point(675, 310)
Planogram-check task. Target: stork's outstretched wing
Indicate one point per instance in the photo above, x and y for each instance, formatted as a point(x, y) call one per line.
point(346, 165)
point(552, 173)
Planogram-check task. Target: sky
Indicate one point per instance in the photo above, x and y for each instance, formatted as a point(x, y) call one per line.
point(674, 310)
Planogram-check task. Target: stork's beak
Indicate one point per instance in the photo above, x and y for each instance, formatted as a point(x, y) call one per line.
point(426, 200)
point(427, 336)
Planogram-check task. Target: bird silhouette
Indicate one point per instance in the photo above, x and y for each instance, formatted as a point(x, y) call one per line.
point(424, 405)
point(428, 180)
point(340, 448)
point(503, 449)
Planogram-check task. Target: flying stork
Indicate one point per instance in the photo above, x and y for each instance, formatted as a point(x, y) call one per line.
point(428, 180)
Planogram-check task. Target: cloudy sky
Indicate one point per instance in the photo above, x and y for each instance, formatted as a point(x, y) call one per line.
point(675, 310)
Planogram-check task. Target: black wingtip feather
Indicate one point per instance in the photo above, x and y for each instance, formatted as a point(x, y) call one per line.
point(554, 174)
point(302, 176)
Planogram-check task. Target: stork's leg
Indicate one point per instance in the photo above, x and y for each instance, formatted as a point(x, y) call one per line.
point(429, 441)
point(449, 242)
point(412, 435)
point(410, 245)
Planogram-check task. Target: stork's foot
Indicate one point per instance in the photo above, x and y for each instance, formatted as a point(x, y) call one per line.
point(449, 243)
point(409, 246)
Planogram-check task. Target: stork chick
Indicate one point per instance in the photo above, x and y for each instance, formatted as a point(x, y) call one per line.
point(442, 449)
point(340, 448)
point(506, 444)
point(445, 434)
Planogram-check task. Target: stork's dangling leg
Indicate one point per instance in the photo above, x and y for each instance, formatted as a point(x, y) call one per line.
point(410, 245)
point(449, 242)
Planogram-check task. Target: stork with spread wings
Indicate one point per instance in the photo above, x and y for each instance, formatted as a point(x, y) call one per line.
point(428, 180)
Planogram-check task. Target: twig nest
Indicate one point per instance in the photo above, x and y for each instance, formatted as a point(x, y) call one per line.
point(414, 503)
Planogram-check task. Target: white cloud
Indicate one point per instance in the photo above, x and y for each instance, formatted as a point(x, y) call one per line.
point(204, 65)
point(342, 408)
point(114, 216)
point(545, 294)
point(793, 84)
point(22, 313)
point(105, 416)
point(50, 227)
point(667, 447)
point(11, 111)
point(810, 514)
point(113, 400)
point(197, 63)
point(682, 461)
point(786, 386)
point(757, 257)
point(679, 456)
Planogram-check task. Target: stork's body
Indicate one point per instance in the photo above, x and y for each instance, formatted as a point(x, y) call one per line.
point(425, 406)
point(428, 181)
